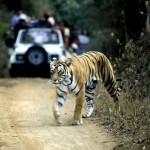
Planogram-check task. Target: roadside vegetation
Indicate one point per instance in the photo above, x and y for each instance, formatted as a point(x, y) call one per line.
point(123, 34)
point(132, 127)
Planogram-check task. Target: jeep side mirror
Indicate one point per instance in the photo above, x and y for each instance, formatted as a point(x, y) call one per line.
point(9, 42)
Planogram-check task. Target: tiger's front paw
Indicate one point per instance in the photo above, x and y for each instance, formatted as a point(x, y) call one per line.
point(57, 117)
point(77, 123)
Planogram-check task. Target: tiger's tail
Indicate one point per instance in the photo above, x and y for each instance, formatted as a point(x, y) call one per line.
point(111, 83)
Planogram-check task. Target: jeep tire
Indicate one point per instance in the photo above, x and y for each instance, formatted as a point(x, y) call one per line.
point(36, 56)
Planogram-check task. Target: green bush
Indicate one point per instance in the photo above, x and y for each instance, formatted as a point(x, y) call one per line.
point(135, 68)
point(132, 125)
point(3, 60)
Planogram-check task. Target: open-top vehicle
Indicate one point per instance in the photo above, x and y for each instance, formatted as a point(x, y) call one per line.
point(33, 50)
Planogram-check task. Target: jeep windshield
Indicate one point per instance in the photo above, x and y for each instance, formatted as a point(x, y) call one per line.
point(39, 36)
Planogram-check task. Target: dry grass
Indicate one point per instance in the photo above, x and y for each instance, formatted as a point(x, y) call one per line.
point(132, 126)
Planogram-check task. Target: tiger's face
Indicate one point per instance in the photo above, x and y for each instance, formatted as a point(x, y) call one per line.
point(59, 72)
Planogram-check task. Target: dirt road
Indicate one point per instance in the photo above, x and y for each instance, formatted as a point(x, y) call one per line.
point(27, 123)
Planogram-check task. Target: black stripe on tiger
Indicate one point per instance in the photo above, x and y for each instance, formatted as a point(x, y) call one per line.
point(71, 79)
point(75, 86)
point(61, 90)
point(90, 93)
point(60, 104)
point(61, 96)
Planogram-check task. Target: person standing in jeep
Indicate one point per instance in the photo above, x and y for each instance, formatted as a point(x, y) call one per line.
point(15, 18)
point(20, 25)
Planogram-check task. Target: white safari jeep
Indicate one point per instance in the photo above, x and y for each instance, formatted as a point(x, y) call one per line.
point(33, 50)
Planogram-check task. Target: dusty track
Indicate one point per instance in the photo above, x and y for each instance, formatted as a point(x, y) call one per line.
point(26, 120)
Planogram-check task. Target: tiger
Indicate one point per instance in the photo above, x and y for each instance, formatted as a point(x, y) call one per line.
point(80, 75)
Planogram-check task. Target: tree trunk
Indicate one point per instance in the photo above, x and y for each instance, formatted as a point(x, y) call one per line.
point(148, 17)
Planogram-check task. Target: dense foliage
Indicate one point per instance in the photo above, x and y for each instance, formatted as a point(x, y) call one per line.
point(120, 29)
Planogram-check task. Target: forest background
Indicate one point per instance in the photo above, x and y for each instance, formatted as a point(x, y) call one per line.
point(121, 30)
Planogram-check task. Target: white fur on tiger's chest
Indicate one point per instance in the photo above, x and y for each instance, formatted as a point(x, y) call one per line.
point(74, 88)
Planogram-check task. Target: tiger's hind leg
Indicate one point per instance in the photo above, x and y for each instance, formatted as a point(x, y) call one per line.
point(89, 94)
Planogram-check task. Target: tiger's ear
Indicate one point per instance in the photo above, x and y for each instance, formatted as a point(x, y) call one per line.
point(68, 61)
